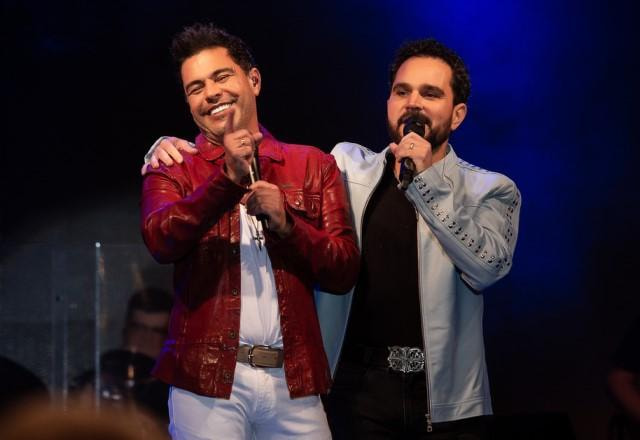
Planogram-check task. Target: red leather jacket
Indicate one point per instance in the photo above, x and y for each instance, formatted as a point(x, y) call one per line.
point(190, 217)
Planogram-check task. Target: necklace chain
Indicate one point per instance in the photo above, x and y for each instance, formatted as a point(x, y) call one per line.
point(256, 231)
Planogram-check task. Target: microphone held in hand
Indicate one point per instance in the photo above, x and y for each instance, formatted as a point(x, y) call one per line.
point(414, 123)
point(254, 174)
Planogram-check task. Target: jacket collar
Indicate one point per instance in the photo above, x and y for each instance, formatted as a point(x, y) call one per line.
point(269, 147)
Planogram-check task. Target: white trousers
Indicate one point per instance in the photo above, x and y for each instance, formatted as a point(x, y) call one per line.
point(259, 408)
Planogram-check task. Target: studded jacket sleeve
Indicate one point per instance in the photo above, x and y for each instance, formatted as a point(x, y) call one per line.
point(474, 215)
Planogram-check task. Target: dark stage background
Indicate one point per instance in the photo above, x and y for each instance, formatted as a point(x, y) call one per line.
point(88, 86)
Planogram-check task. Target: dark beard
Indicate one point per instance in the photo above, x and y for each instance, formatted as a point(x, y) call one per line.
point(437, 135)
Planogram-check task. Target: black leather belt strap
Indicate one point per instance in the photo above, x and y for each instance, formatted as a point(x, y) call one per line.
point(369, 356)
point(380, 358)
point(261, 356)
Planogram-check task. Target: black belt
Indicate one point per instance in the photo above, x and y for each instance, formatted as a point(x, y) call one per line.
point(401, 359)
point(261, 356)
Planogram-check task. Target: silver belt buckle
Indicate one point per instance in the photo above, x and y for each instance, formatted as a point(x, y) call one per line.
point(406, 359)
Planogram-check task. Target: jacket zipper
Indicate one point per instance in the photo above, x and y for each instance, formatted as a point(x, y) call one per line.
point(429, 412)
point(424, 334)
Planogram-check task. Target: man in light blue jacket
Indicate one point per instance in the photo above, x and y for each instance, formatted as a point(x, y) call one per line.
point(410, 363)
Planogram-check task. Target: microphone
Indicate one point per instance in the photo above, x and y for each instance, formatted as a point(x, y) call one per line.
point(254, 175)
point(414, 123)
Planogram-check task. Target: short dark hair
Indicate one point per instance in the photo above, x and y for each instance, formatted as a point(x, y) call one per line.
point(150, 300)
point(460, 81)
point(198, 37)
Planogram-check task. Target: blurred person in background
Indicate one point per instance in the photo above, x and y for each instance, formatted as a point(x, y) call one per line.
point(17, 383)
point(75, 421)
point(125, 373)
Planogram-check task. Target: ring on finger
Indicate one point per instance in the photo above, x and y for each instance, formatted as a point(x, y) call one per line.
point(411, 146)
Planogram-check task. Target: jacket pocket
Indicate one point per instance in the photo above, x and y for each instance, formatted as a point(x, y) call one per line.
point(305, 205)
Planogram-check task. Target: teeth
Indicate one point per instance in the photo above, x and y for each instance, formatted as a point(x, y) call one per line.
point(219, 109)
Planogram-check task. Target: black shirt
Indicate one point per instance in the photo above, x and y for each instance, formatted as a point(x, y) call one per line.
point(386, 306)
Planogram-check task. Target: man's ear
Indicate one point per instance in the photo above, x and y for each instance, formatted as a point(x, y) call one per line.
point(459, 113)
point(255, 80)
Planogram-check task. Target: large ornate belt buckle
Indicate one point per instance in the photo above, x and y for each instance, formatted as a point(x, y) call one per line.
point(406, 359)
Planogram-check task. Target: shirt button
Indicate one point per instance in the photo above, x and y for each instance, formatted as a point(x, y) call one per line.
point(234, 292)
point(232, 334)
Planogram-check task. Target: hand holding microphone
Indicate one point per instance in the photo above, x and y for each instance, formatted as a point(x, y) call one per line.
point(266, 202)
point(414, 123)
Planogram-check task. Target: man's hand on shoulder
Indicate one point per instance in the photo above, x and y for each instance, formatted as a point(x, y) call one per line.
point(168, 151)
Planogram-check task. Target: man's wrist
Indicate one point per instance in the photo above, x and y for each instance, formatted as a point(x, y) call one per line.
point(287, 226)
point(227, 171)
point(285, 231)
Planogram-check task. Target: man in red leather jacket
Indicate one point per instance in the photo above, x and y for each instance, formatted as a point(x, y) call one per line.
point(244, 354)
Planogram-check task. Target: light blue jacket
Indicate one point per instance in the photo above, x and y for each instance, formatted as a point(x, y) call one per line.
point(467, 231)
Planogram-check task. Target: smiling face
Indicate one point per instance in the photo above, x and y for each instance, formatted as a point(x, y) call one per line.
point(213, 84)
point(423, 85)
